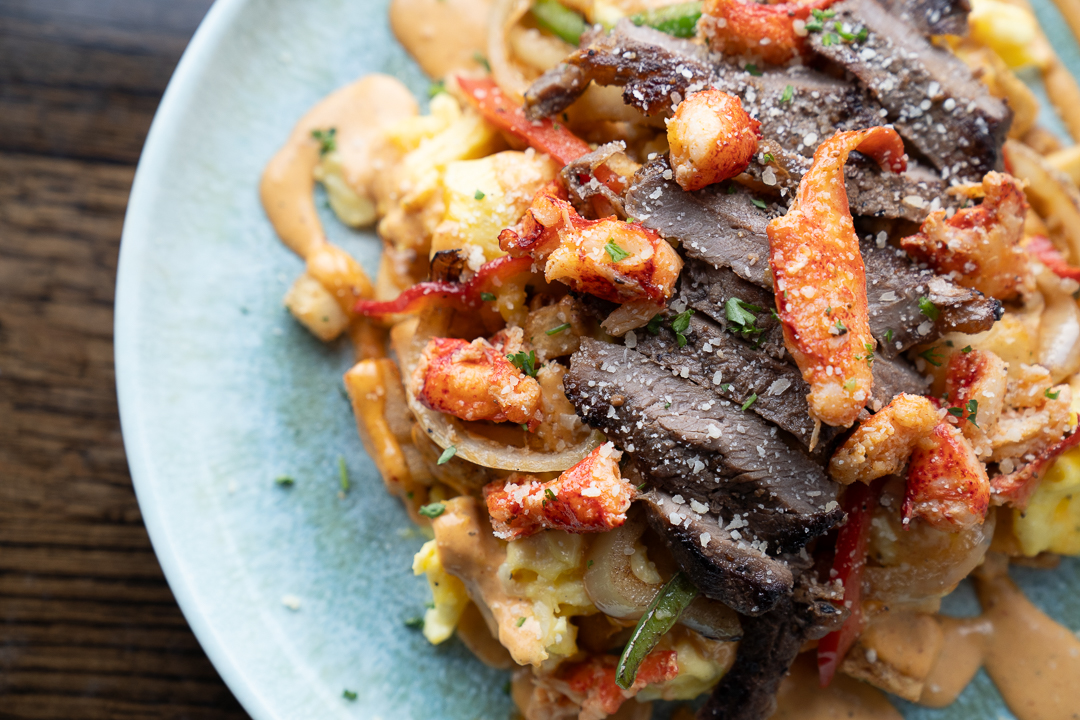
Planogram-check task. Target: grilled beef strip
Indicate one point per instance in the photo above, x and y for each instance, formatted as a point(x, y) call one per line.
point(649, 65)
point(722, 566)
point(932, 17)
point(894, 286)
point(930, 95)
point(735, 367)
point(689, 440)
point(769, 646)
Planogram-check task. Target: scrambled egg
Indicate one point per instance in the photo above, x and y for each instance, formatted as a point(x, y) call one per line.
point(448, 595)
point(702, 662)
point(1051, 521)
point(1011, 31)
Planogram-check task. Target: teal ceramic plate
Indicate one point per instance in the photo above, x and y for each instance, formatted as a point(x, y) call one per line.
point(221, 392)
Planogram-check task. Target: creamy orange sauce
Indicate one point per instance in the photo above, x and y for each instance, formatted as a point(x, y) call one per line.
point(802, 698)
point(360, 112)
point(422, 27)
point(1034, 661)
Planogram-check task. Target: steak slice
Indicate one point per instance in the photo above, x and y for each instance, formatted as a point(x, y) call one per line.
point(693, 442)
point(722, 228)
point(654, 69)
point(722, 565)
point(932, 17)
point(894, 286)
point(929, 94)
point(737, 368)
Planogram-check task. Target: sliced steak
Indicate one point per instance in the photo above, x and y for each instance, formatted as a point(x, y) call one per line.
point(737, 371)
point(654, 69)
point(723, 566)
point(722, 228)
point(691, 441)
point(930, 95)
point(769, 646)
point(894, 286)
point(932, 17)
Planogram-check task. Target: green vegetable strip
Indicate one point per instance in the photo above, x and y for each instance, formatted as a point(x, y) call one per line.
point(678, 20)
point(560, 20)
point(661, 616)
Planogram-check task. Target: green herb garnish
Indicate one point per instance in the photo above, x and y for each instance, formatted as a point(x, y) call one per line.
point(432, 510)
point(479, 195)
point(560, 20)
point(653, 328)
point(1051, 395)
point(417, 623)
point(679, 326)
point(973, 409)
point(348, 695)
point(343, 473)
point(749, 401)
point(285, 481)
point(741, 316)
point(525, 362)
point(448, 453)
point(615, 252)
point(327, 140)
point(789, 93)
point(558, 329)
point(679, 19)
point(928, 308)
point(760, 204)
point(435, 88)
point(752, 69)
point(521, 621)
point(931, 356)
point(479, 58)
point(966, 350)
point(487, 297)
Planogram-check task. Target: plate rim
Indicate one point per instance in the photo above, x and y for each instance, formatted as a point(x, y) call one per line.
point(213, 29)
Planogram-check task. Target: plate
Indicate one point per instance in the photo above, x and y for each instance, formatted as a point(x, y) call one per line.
point(221, 392)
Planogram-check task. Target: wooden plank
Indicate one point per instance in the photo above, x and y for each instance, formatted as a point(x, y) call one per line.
point(89, 627)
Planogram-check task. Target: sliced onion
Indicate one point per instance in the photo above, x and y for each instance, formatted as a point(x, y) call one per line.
point(1059, 336)
point(447, 430)
point(504, 15)
point(712, 618)
point(610, 581)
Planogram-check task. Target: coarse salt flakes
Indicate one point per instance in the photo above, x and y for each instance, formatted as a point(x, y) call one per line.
point(705, 538)
point(698, 507)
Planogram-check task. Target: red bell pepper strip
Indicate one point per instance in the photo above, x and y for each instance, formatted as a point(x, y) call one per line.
point(1044, 251)
point(544, 135)
point(489, 277)
point(858, 501)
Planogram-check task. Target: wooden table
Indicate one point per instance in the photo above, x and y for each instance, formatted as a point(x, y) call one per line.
point(88, 627)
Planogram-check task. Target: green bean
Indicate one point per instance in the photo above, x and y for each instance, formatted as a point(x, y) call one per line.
point(558, 19)
point(663, 613)
point(678, 20)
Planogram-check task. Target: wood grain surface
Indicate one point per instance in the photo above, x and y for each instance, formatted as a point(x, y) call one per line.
point(88, 627)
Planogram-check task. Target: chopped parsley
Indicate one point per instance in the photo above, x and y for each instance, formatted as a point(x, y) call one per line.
point(480, 59)
point(327, 140)
point(343, 473)
point(725, 387)
point(1051, 395)
point(753, 69)
point(760, 204)
point(349, 694)
point(590, 563)
point(966, 350)
point(973, 409)
point(615, 252)
point(525, 362)
point(931, 356)
point(829, 39)
point(285, 481)
point(417, 623)
point(741, 316)
point(447, 454)
point(749, 401)
point(850, 384)
point(521, 621)
point(653, 328)
point(479, 195)
point(888, 335)
point(558, 329)
point(820, 16)
point(432, 510)
point(869, 356)
point(841, 328)
point(550, 494)
point(767, 158)
point(731, 189)
point(680, 325)
point(928, 308)
point(487, 297)
point(789, 93)
point(958, 412)
point(435, 88)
